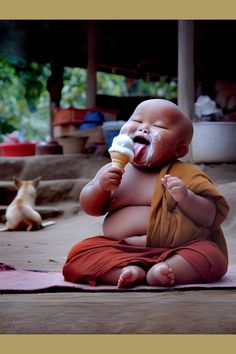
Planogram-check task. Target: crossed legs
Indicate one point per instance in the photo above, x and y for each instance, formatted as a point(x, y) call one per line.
point(176, 270)
point(198, 261)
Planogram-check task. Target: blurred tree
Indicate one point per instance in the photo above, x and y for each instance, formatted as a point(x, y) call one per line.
point(111, 84)
point(74, 89)
point(74, 93)
point(24, 99)
point(24, 102)
point(162, 88)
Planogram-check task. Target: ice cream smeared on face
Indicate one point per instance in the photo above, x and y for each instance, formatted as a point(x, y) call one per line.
point(155, 139)
point(144, 147)
point(121, 150)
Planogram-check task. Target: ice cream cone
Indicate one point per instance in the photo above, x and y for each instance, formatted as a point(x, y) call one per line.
point(119, 160)
point(121, 151)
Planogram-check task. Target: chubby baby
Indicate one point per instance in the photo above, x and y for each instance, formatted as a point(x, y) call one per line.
point(162, 223)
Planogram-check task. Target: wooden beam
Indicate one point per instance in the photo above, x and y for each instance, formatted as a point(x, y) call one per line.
point(186, 67)
point(54, 87)
point(186, 72)
point(91, 69)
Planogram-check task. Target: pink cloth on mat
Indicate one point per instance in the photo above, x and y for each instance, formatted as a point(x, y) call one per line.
point(18, 281)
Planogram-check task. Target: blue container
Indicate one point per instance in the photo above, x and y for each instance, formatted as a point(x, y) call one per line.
point(110, 130)
point(88, 125)
point(109, 136)
point(92, 120)
point(95, 117)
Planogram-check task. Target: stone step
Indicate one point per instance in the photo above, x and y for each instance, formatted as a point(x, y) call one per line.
point(49, 211)
point(51, 167)
point(48, 192)
point(45, 212)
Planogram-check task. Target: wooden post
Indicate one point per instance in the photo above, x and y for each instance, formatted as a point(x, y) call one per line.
point(54, 87)
point(186, 67)
point(91, 69)
point(186, 72)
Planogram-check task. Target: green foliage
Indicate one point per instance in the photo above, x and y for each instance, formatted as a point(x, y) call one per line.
point(24, 104)
point(162, 88)
point(74, 89)
point(111, 84)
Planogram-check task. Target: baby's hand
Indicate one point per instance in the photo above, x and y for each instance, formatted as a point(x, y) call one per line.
point(176, 187)
point(111, 178)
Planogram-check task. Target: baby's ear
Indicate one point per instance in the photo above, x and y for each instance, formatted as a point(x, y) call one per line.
point(181, 150)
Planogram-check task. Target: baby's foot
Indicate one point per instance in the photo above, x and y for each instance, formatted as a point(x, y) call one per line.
point(130, 275)
point(160, 274)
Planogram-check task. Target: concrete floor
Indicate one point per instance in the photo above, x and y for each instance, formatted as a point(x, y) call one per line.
point(172, 312)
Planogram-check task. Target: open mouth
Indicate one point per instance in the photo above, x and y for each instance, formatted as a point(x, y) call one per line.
point(141, 139)
point(141, 146)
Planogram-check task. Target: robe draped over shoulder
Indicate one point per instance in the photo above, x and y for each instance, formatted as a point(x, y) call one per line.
point(170, 232)
point(169, 226)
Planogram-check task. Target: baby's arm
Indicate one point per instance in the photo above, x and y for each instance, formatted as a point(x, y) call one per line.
point(95, 196)
point(201, 210)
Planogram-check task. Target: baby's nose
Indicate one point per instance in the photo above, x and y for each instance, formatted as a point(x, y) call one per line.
point(144, 128)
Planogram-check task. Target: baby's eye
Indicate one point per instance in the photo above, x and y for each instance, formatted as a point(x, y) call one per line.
point(159, 126)
point(137, 121)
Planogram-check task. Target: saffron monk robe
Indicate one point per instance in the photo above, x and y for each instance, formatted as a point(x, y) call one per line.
point(163, 216)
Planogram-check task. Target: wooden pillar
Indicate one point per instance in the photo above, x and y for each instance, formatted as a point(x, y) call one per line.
point(186, 67)
point(54, 87)
point(186, 72)
point(91, 68)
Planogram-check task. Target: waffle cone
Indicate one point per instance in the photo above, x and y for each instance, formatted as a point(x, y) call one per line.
point(119, 160)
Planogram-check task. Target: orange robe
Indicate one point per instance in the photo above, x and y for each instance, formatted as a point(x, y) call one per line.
point(170, 232)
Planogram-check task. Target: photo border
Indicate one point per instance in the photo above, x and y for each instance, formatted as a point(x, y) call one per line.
point(122, 9)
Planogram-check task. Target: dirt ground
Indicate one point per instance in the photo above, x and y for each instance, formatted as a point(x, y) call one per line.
point(173, 312)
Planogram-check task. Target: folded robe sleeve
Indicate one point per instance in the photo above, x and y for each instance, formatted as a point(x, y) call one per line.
point(169, 226)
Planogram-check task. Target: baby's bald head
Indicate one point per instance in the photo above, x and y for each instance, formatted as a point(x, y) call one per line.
point(161, 132)
point(170, 113)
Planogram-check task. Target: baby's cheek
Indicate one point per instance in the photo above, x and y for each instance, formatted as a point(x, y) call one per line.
point(128, 128)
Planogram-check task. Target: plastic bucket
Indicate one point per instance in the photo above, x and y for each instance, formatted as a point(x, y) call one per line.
point(21, 149)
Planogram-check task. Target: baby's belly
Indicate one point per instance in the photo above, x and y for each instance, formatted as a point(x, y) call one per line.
point(127, 221)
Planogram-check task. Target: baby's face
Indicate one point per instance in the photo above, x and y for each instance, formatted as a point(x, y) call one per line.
point(155, 128)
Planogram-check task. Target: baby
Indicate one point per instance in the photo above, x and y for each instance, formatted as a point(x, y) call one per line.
point(163, 216)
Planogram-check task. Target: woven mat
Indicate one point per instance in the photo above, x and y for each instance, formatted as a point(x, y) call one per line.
point(20, 281)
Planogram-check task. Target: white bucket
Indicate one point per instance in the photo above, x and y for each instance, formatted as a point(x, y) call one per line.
point(214, 142)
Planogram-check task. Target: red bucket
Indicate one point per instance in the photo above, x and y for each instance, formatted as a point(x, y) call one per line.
point(21, 149)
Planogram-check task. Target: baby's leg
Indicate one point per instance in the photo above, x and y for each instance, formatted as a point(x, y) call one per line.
point(175, 270)
point(123, 277)
point(199, 261)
